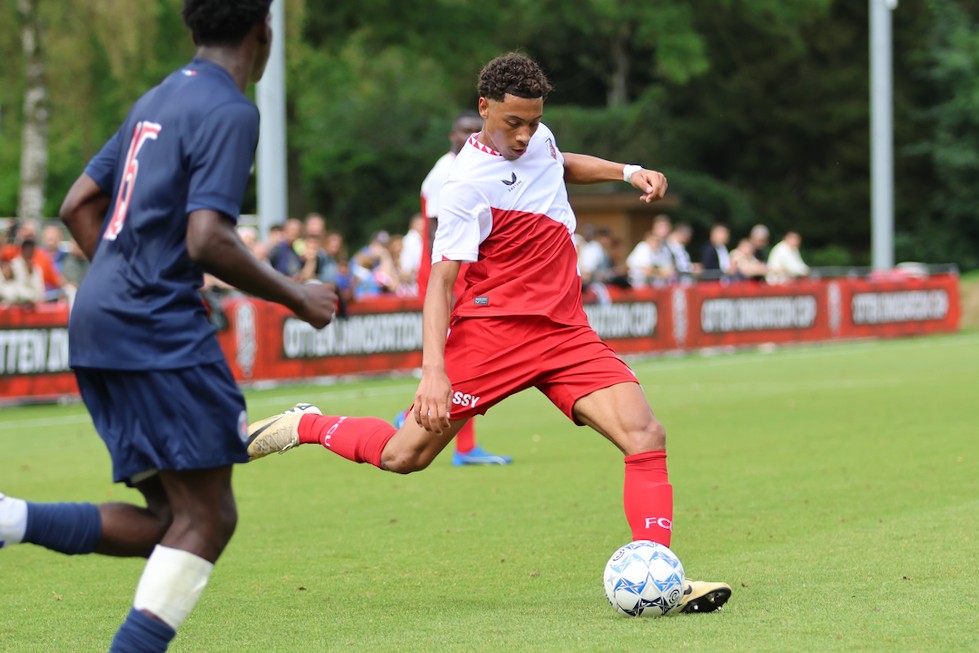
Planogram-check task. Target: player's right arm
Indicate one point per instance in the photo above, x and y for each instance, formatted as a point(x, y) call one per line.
point(83, 212)
point(433, 397)
point(84, 207)
point(213, 243)
point(220, 159)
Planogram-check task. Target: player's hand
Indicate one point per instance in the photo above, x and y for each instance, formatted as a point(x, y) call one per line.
point(651, 183)
point(319, 304)
point(433, 400)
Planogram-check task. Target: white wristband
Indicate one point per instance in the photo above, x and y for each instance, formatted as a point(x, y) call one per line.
point(629, 170)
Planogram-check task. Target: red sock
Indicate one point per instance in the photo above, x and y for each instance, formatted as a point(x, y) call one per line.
point(648, 497)
point(360, 439)
point(466, 437)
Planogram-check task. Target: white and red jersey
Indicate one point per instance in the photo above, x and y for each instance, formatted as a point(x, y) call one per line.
point(512, 221)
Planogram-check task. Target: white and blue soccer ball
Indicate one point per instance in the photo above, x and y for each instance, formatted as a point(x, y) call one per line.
point(644, 579)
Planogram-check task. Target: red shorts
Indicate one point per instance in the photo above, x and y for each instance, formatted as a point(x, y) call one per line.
point(490, 358)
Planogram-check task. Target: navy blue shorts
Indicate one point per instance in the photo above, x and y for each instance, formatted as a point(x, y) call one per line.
point(188, 418)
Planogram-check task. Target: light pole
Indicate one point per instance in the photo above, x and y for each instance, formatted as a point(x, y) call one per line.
point(881, 135)
point(270, 95)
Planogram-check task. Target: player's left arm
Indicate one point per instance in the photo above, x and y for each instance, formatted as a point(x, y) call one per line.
point(585, 169)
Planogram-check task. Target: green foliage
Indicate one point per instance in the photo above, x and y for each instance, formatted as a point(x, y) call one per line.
point(829, 256)
point(757, 110)
point(947, 227)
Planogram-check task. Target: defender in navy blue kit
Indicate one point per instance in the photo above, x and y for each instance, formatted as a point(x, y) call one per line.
point(154, 210)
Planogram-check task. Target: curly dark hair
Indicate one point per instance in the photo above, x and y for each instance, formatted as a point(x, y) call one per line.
point(515, 74)
point(223, 22)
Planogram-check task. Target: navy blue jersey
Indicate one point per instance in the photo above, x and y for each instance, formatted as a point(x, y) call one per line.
point(188, 144)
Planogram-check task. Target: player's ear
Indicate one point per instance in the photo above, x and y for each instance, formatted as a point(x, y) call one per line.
point(483, 107)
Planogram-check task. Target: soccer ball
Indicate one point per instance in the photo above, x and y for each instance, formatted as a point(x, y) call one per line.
point(644, 578)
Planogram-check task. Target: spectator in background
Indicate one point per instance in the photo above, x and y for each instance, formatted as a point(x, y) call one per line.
point(274, 236)
point(74, 267)
point(333, 252)
point(53, 282)
point(744, 264)
point(283, 256)
point(714, 257)
point(53, 242)
point(759, 241)
point(315, 226)
point(785, 263)
point(314, 259)
point(13, 292)
point(26, 285)
point(650, 262)
point(374, 268)
point(677, 243)
point(412, 249)
point(592, 257)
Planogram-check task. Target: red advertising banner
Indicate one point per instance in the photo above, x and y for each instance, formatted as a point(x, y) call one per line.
point(749, 313)
point(265, 342)
point(634, 322)
point(34, 354)
point(886, 309)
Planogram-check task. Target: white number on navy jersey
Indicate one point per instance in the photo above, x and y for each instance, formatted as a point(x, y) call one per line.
point(143, 132)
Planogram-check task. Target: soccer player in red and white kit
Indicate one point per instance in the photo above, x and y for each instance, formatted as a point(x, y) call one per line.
point(520, 323)
point(466, 452)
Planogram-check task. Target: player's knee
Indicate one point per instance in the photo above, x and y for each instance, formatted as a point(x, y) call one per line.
point(650, 437)
point(405, 462)
point(210, 525)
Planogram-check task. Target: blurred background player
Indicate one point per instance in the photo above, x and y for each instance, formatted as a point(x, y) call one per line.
point(520, 323)
point(466, 452)
point(153, 210)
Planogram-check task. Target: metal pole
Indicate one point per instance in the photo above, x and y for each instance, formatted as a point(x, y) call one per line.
point(882, 135)
point(270, 94)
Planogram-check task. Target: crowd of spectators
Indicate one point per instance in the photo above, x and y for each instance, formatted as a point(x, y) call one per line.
point(35, 270)
point(44, 265)
point(662, 257)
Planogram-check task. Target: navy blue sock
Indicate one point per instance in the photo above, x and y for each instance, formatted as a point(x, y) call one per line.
point(141, 634)
point(65, 527)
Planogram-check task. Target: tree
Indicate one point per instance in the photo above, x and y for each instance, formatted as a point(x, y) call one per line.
point(34, 133)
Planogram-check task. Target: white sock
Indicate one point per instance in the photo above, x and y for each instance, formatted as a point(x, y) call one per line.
point(13, 520)
point(171, 583)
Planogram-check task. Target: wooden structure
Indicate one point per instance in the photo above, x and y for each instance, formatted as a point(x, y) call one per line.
point(620, 212)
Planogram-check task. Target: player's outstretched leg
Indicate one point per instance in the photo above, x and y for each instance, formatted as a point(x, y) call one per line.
point(115, 529)
point(371, 440)
point(466, 451)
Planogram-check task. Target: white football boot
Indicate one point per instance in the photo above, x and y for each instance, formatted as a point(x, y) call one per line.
point(279, 433)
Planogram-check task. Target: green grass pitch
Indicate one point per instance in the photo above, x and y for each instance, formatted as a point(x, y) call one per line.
point(835, 487)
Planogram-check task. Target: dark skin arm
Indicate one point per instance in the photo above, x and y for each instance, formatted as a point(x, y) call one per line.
point(83, 212)
point(213, 244)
